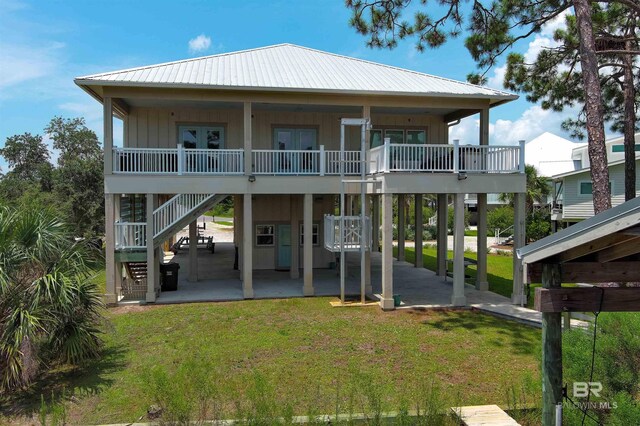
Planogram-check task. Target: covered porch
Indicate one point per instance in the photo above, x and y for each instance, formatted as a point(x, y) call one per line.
point(218, 281)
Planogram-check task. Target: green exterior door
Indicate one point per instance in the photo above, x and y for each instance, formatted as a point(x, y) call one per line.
point(284, 247)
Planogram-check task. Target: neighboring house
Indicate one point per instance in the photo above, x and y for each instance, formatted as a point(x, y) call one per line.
point(549, 154)
point(573, 197)
point(264, 126)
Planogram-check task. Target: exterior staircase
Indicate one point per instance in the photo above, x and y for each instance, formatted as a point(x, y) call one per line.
point(134, 286)
point(168, 219)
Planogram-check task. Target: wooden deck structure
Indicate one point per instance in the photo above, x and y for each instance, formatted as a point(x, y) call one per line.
point(483, 415)
point(602, 249)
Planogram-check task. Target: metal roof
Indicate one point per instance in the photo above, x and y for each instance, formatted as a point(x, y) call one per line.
point(287, 67)
point(618, 218)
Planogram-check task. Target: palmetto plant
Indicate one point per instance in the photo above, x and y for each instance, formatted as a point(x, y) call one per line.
point(538, 189)
point(49, 307)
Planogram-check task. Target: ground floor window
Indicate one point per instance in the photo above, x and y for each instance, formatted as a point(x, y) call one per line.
point(265, 235)
point(314, 237)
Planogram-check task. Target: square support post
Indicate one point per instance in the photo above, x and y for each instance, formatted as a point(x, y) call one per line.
point(519, 230)
point(481, 277)
point(193, 252)
point(247, 247)
point(151, 252)
point(401, 226)
point(375, 223)
point(294, 272)
point(551, 350)
point(386, 301)
point(368, 288)
point(107, 106)
point(248, 154)
point(458, 298)
point(307, 236)
point(442, 224)
point(118, 265)
point(111, 297)
point(418, 233)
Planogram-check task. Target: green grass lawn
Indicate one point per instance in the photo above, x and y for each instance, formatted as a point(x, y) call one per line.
point(310, 356)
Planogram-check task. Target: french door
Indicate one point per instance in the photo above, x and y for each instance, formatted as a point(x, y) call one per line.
point(297, 141)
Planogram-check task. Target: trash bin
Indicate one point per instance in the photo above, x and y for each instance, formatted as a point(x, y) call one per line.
point(169, 276)
point(396, 300)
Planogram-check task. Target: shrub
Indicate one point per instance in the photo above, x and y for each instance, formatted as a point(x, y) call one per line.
point(451, 218)
point(50, 308)
point(538, 225)
point(500, 218)
point(429, 233)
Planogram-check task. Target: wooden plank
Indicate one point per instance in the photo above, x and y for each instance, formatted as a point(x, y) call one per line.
point(580, 299)
point(591, 247)
point(620, 250)
point(590, 272)
point(551, 350)
point(483, 415)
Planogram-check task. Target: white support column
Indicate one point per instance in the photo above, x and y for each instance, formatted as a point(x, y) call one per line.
point(307, 236)
point(111, 295)
point(294, 272)
point(107, 106)
point(481, 277)
point(151, 260)
point(375, 220)
point(401, 225)
point(118, 265)
point(247, 247)
point(193, 252)
point(419, 227)
point(239, 225)
point(386, 301)
point(458, 298)
point(368, 289)
point(159, 255)
point(517, 297)
point(248, 155)
point(442, 225)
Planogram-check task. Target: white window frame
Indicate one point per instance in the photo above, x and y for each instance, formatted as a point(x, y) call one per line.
point(272, 235)
point(315, 233)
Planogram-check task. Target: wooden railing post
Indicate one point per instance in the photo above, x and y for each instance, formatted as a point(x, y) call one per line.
point(521, 157)
point(456, 155)
point(322, 161)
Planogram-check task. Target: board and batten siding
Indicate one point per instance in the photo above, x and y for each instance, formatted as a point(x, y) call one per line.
point(276, 210)
point(576, 206)
point(147, 127)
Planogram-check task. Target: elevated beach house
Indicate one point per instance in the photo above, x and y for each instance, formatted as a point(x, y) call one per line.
point(312, 146)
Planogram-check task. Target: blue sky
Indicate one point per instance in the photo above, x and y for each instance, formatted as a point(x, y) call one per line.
point(45, 44)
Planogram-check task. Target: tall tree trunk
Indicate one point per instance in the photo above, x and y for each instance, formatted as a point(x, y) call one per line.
point(629, 127)
point(593, 107)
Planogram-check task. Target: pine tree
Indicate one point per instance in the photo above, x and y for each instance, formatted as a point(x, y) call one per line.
point(493, 27)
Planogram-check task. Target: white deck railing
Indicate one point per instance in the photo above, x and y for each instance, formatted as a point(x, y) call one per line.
point(351, 162)
point(131, 235)
point(175, 209)
point(446, 158)
point(178, 161)
point(304, 162)
point(354, 233)
point(382, 159)
point(289, 162)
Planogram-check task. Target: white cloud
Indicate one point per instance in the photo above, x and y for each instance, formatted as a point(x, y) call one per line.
point(24, 62)
point(533, 122)
point(199, 44)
